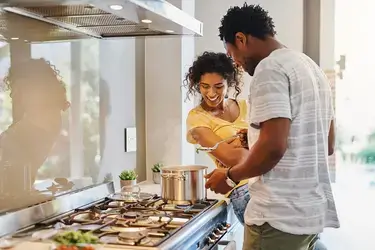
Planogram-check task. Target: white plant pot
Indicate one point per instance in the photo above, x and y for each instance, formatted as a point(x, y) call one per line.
point(124, 183)
point(156, 177)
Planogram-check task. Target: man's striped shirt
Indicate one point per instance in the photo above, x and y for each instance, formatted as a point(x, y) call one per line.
point(296, 195)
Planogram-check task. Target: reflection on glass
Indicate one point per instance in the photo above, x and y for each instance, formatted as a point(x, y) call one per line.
point(77, 154)
point(39, 96)
point(45, 148)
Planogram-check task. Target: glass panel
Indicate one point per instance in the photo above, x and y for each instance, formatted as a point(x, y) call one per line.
point(49, 120)
point(5, 101)
point(65, 101)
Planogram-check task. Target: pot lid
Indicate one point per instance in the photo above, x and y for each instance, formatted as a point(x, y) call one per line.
point(183, 168)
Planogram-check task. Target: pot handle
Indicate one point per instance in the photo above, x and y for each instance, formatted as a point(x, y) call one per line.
point(139, 191)
point(174, 176)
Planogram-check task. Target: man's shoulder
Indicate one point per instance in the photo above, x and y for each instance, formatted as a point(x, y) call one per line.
point(278, 59)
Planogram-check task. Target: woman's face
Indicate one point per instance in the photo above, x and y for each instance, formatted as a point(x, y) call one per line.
point(39, 99)
point(213, 88)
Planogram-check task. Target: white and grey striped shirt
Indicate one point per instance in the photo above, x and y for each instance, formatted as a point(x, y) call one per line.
point(296, 195)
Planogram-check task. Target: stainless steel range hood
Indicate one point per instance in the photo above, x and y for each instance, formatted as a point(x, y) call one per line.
point(54, 20)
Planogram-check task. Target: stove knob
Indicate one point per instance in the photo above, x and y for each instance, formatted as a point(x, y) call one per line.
point(214, 236)
point(226, 225)
point(210, 241)
point(218, 231)
point(223, 226)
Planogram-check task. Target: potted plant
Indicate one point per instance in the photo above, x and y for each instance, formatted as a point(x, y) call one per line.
point(128, 178)
point(156, 172)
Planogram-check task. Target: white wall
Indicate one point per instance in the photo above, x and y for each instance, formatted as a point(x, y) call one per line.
point(119, 65)
point(161, 112)
point(287, 14)
point(288, 18)
point(166, 60)
point(327, 34)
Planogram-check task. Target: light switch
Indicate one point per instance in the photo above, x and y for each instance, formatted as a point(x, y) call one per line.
point(130, 139)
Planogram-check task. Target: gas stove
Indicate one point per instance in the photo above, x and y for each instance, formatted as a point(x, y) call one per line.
point(148, 224)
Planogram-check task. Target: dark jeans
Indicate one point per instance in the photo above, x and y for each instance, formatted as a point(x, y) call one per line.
point(239, 199)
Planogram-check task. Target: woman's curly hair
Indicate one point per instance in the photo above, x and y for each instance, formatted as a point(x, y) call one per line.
point(40, 73)
point(211, 62)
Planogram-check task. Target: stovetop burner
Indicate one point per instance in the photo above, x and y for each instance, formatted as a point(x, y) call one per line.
point(182, 206)
point(143, 223)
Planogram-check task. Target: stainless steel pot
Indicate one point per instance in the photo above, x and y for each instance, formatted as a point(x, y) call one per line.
point(183, 184)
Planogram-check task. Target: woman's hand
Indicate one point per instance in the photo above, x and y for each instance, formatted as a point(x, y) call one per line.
point(243, 138)
point(236, 142)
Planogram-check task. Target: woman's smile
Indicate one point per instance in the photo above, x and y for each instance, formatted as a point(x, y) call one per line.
point(213, 99)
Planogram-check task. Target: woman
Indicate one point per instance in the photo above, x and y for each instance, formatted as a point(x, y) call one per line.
point(38, 97)
point(218, 117)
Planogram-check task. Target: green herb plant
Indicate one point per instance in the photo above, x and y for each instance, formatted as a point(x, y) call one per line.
point(69, 238)
point(128, 175)
point(156, 167)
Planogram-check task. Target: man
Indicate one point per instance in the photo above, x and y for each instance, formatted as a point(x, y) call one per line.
point(291, 134)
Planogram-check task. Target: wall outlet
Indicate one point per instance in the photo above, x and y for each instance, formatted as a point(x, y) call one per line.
point(130, 139)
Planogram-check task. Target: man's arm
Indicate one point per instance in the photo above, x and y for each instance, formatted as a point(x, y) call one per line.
point(270, 109)
point(266, 152)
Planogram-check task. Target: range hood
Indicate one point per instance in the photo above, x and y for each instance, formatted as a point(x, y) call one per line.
point(56, 20)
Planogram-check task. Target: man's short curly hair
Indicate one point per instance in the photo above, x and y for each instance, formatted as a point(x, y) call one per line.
point(211, 62)
point(249, 19)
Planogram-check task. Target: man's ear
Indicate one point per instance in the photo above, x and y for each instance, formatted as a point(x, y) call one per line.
point(240, 39)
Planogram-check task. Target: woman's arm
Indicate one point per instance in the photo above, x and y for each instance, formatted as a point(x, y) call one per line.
point(227, 153)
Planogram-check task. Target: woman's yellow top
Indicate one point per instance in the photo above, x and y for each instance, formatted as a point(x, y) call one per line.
point(198, 117)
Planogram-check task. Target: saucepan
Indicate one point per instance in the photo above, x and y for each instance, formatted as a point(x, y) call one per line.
point(183, 184)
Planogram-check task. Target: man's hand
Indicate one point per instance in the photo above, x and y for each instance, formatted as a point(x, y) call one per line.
point(216, 181)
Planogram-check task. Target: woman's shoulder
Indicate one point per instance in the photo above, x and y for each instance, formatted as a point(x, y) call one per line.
point(197, 110)
point(242, 104)
point(198, 115)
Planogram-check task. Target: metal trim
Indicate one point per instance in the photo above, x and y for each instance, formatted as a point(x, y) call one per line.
point(14, 221)
point(72, 28)
point(165, 16)
point(172, 13)
point(189, 233)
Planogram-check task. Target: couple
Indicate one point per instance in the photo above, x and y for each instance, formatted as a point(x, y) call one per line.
point(279, 183)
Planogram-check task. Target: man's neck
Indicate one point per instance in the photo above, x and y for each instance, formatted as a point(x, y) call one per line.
point(270, 45)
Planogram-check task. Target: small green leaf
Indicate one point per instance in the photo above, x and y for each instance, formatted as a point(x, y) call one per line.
point(128, 175)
